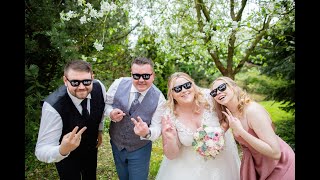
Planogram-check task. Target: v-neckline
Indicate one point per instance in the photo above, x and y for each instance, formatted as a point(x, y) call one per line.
point(186, 128)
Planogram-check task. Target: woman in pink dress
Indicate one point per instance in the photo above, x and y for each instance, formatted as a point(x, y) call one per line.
point(265, 155)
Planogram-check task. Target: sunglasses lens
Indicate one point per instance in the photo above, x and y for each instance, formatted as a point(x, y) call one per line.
point(136, 76)
point(86, 82)
point(177, 89)
point(146, 76)
point(213, 93)
point(187, 85)
point(74, 83)
point(222, 87)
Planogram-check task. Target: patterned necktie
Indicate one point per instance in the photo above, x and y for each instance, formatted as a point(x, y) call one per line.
point(135, 103)
point(85, 112)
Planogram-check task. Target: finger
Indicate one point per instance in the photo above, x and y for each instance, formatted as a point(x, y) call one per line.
point(118, 115)
point(67, 135)
point(73, 132)
point(119, 111)
point(163, 120)
point(134, 121)
point(166, 119)
point(139, 119)
point(81, 130)
point(227, 115)
point(229, 112)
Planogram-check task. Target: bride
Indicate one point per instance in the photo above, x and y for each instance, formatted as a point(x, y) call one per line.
point(188, 108)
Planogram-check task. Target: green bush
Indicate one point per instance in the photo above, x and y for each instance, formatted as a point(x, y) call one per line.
point(284, 121)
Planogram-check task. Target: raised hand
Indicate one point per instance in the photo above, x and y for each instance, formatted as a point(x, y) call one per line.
point(167, 128)
point(170, 141)
point(116, 115)
point(140, 127)
point(234, 122)
point(71, 141)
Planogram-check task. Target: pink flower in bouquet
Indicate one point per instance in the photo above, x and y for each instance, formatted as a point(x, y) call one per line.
point(208, 141)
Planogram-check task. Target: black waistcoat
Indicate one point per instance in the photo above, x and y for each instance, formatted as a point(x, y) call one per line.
point(71, 117)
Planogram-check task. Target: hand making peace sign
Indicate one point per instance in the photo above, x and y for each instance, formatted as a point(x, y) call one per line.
point(140, 127)
point(71, 141)
point(234, 123)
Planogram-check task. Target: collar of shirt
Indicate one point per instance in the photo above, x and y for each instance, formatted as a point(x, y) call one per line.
point(75, 100)
point(143, 93)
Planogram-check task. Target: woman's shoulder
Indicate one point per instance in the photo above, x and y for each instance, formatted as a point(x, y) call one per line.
point(255, 112)
point(254, 107)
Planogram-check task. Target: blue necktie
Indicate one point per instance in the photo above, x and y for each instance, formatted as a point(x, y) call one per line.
point(135, 103)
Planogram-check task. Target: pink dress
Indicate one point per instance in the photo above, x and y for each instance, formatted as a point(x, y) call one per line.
point(255, 166)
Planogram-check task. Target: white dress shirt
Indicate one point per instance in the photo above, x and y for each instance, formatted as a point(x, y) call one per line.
point(47, 147)
point(155, 126)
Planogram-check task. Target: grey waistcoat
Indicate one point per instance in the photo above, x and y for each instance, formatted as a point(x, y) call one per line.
point(121, 133)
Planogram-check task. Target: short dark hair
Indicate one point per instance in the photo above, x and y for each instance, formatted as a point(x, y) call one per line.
point(143, 60)
point(78, 65)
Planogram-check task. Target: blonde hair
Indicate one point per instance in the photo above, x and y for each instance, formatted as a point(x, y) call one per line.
point(242, 97)
point(198, 98)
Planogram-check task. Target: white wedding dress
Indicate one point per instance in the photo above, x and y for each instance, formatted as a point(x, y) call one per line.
point(190, 165)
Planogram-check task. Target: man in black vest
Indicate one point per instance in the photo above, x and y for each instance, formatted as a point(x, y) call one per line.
point(134, 97)
point(72, 123)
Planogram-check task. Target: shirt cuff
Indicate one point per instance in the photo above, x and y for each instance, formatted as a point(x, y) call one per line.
point(58, 156)
point(148, 136)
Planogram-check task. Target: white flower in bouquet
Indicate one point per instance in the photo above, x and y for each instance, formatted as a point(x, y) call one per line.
point(208, 141)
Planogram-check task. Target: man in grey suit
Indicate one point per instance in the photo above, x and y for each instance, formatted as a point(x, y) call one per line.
point(132, 104)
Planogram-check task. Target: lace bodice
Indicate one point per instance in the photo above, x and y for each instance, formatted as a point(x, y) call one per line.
point(208, 118)
point(185, 134)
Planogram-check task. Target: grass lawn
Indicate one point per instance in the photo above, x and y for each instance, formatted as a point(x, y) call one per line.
point(106, 169)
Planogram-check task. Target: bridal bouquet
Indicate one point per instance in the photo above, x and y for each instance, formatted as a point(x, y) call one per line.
point(208, 141)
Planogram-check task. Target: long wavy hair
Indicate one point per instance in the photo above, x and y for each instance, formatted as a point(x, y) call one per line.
point(242, 97)
point(198, 98)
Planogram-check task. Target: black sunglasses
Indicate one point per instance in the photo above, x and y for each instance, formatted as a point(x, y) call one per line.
point(221, 87)
point(186, 85)
point(144, 76)
point(76, 83)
